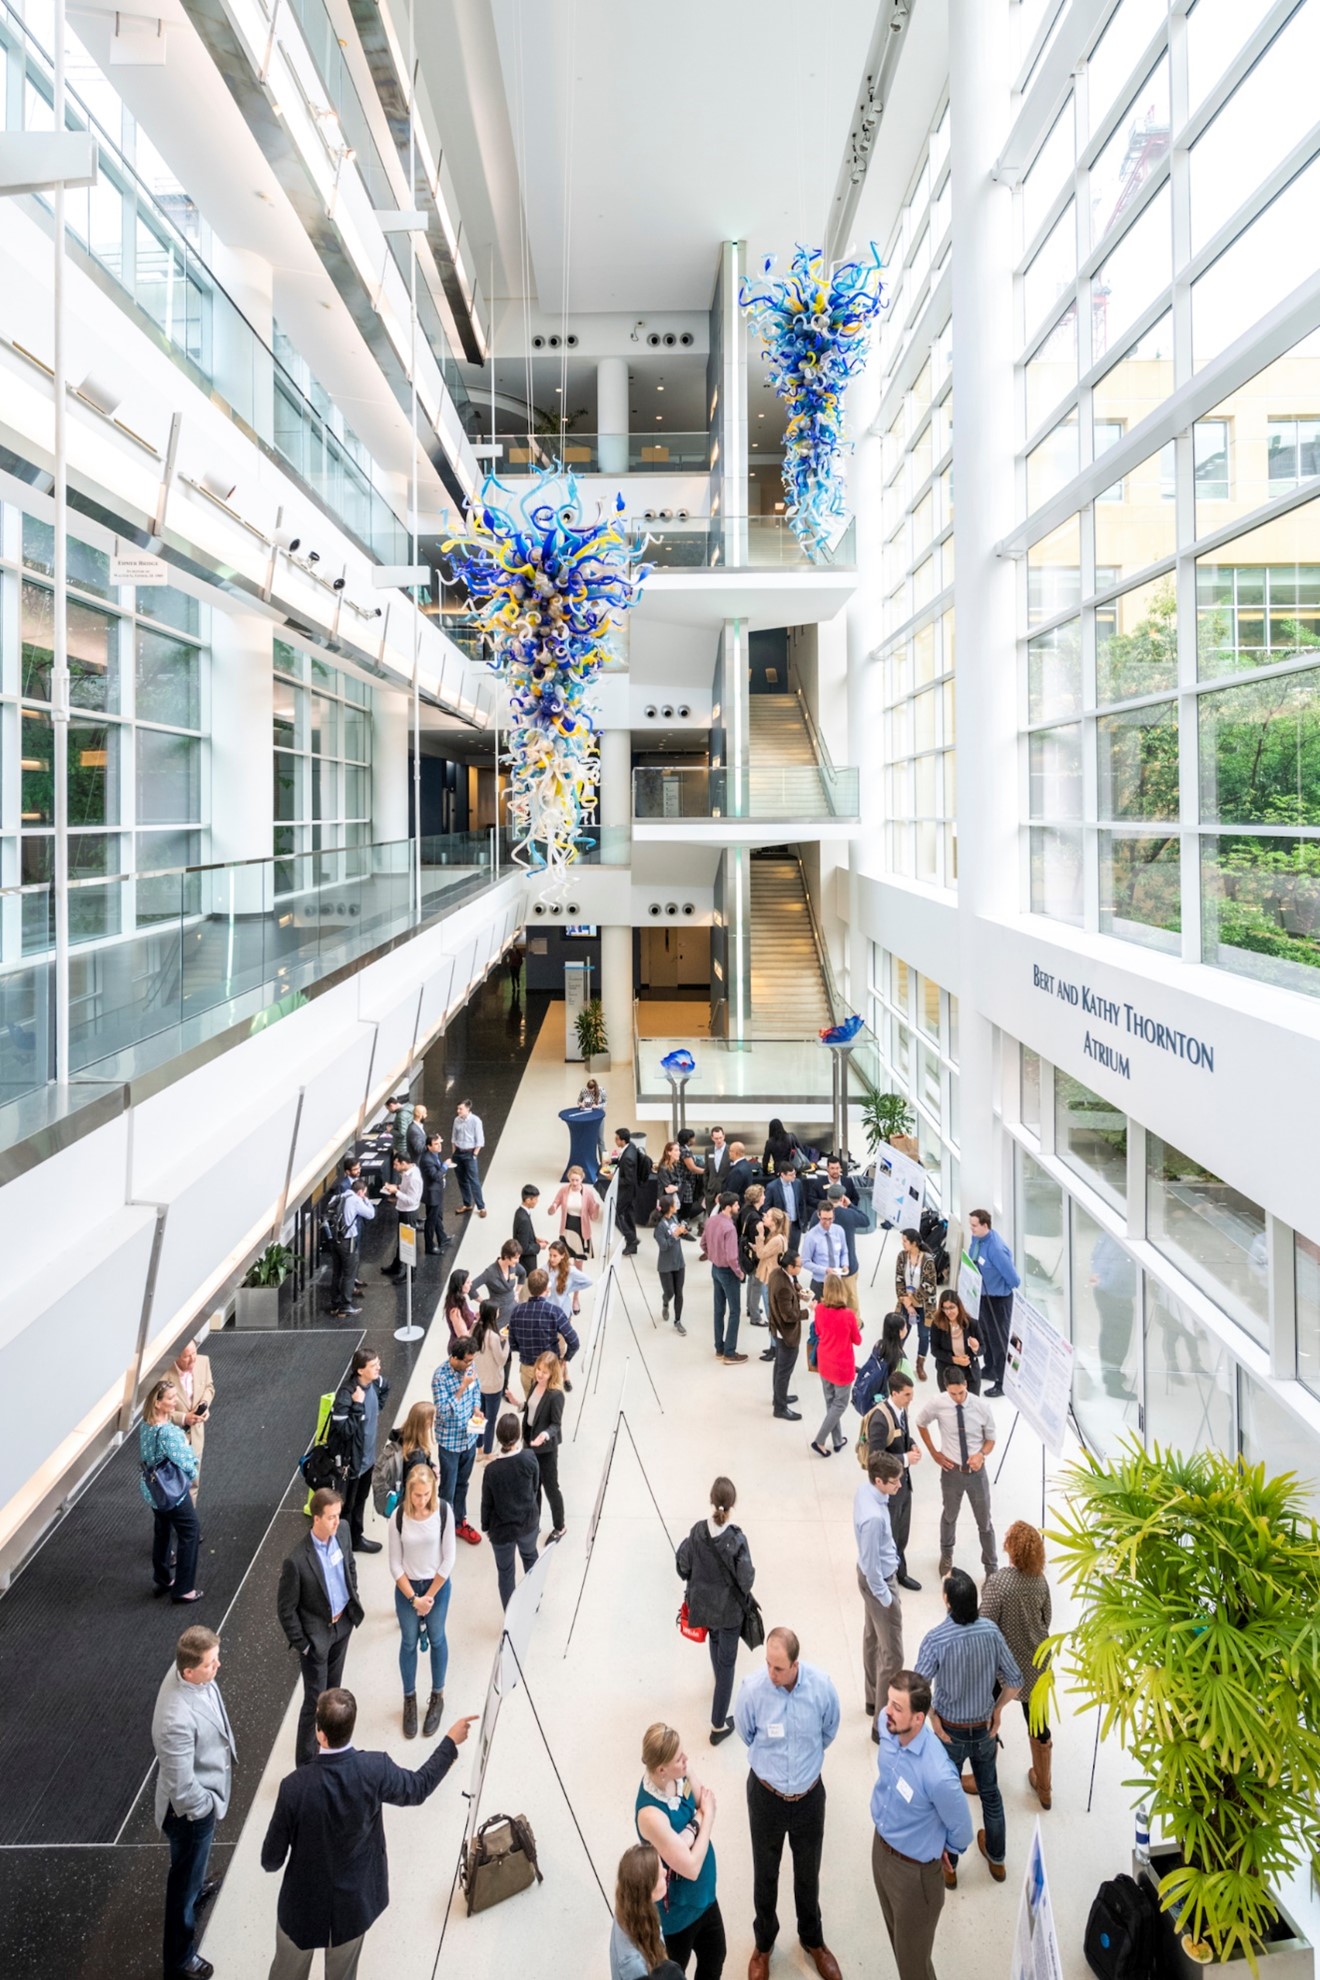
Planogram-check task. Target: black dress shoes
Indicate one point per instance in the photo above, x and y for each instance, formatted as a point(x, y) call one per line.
point(196, 1968)
point(208, 1891)
point(789, 1415)
point(906, 1581)
point(365, 1546)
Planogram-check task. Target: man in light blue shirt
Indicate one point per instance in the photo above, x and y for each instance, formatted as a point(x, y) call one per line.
point(877, 1568)
point(999, 1279)
point(786, 1716)
point(824, 1249)
point(921, 1825)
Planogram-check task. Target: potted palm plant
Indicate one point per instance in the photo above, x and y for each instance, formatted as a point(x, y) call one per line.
point(1198, 1639)
point(257, 1301)
point(887, 1118)
point(591, 1038)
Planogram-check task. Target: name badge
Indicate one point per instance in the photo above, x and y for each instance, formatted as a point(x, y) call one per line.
point(774, 1732)
point(336, 1555)
point(904, 1788)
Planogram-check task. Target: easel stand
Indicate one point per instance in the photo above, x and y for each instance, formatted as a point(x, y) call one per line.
point(470, 1827)
point(610, 1286)
point(620, 1423)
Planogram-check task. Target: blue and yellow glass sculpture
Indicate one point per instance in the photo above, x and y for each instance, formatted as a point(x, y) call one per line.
point(548, 583)
point(813, 326)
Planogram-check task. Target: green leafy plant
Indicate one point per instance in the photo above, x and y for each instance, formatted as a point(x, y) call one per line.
point(883, 1116)
point(592, 1042)
point(1198, 1638)
point(273, 1267)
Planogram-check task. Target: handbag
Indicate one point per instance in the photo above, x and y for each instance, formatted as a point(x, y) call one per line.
point(499, 1862)
point(166, 1481)
point(694, 1632)
point(753, 1622)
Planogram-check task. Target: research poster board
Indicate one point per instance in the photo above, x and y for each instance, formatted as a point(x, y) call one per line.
point(1038, 1373)
point(1036, 1941)
point(899, 1190)
point(969, 1285)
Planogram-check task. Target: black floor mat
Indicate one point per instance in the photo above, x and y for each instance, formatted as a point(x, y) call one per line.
point(83, 1644)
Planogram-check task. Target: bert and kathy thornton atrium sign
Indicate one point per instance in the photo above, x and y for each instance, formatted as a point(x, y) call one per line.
point(1126, 1020)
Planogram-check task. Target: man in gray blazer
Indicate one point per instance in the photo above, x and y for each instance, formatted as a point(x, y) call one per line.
point(195, 1752)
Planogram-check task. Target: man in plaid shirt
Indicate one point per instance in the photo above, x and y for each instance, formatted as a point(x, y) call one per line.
point(539, 1327)
point(455, 1394)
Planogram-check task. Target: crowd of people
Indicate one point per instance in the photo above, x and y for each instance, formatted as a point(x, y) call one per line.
point(780, 1243)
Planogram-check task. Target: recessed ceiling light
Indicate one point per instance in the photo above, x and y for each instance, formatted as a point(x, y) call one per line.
point(659, 388)
point(760, 415)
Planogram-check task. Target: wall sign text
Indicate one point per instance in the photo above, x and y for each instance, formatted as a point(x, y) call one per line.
point(1125, 1018)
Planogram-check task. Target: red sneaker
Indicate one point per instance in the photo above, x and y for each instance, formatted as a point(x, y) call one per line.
point(468, 1533)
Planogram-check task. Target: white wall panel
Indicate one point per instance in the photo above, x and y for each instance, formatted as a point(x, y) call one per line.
point(86, 1324)
point(35, 1210)
point(332, 1096)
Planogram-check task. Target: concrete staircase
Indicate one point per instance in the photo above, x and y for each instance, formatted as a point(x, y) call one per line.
point(783, 778)
point(788, 997)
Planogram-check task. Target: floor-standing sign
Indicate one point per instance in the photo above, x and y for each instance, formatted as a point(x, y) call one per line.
point(1036, 1942)
point(899, 1191)
point(1038, 1373)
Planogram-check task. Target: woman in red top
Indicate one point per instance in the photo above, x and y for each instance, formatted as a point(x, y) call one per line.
point(837, 1334)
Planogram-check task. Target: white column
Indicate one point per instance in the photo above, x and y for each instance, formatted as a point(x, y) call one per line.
point(616, 990)
point(615, 806)
point(612, 414)
point(733, 392)
point(390, 729)
point(984, 588)
point(241, 758)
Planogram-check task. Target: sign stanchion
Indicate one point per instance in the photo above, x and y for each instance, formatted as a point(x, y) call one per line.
point(408, 1259)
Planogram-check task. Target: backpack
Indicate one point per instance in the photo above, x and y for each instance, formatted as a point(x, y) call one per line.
point(863, 1445)
point(444, 1519)
point(871, 1381)
point(387, 1477)
point(933, 1230)
point(336, 1217)
point(1122, 1931)
point(645, 1166)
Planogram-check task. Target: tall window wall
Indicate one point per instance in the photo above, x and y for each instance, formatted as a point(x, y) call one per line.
point(916, 419)
point(136, 756)
point(1167, 1279)
point(915, 1023)
point(1170, 591)
point(321, 764)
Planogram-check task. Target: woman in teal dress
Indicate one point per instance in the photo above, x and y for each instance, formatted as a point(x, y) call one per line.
point(675, 1814)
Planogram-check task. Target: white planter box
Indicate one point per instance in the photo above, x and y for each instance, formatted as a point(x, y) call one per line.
point(1291, 1958)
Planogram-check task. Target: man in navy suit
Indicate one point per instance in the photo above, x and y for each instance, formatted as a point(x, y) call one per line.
point(788, 1193)
point(328, 1824)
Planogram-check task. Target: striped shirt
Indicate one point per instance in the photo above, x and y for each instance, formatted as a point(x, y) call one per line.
point(962, 1661)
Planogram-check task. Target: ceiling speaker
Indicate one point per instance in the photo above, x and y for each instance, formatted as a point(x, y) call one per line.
point(538, 342)
point(654, 908)
point(653, 338)
point(572, 340)
point(683, 711)
point(686, 340)
point(689, 907)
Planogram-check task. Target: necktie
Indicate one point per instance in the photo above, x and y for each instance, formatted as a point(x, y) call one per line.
point(962, 1435)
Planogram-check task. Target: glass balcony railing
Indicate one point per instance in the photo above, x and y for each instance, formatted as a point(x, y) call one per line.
point(159, 963)
point(139, 250)
point(746, 543)
point(766, 1071)
point(605, 453)
point(789, 792)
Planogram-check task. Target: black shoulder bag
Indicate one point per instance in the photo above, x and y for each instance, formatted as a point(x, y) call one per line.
point(753, 1622)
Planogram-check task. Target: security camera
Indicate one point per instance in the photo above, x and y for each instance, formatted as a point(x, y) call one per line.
point(689, 907)
point(313, 556)
point(339, 584)
point(284, 539)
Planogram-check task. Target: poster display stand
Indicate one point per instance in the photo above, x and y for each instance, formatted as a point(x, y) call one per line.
point(899, 1190)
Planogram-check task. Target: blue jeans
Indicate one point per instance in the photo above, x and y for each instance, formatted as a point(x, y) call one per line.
point(504, 1551)
point(728, 1298)
point(190, 1849)
point(980, 1750)
point(455, 1470)
point(469, 1182)
point(410, 1630)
